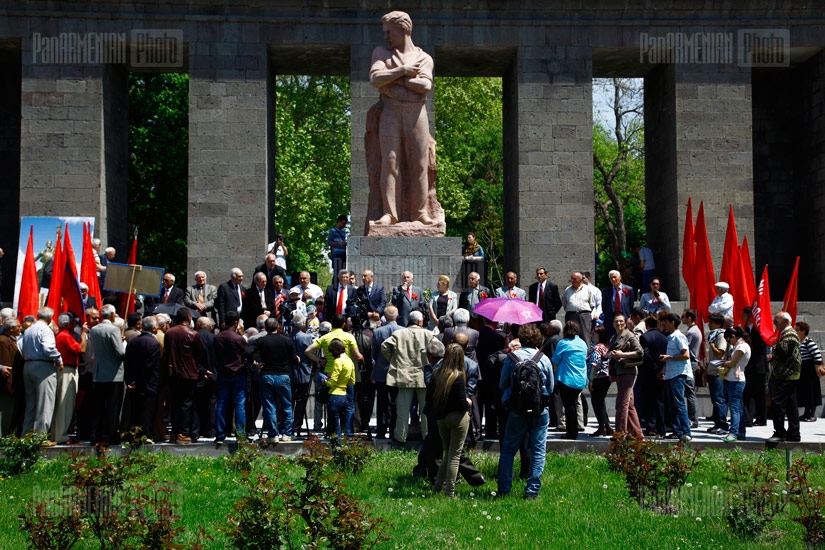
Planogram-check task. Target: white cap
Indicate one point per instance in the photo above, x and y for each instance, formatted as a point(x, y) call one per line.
point(722, 284)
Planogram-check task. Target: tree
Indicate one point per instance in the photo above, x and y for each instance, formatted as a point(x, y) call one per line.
point(312, 182)
point(158, 167)
point(470, 153)
point(618, 163)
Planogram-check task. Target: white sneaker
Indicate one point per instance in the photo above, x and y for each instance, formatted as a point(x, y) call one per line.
point(286, 438)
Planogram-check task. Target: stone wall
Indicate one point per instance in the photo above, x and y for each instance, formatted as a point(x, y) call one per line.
point(10, 67)
point(73, 155)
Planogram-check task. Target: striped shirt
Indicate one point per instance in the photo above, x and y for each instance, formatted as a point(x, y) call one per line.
point(810, 351)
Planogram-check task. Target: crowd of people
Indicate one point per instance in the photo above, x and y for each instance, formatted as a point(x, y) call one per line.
point(227, 354)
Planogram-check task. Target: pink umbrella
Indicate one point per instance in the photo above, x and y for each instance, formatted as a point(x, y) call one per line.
point(507, 310)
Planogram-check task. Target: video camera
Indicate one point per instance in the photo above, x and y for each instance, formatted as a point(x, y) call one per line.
point(359, 308)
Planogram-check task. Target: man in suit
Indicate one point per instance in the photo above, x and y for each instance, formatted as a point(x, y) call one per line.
point(230, 295)
point(545, 294)
point(406, 298)
point(385, 395)
point(510, 290)
point(270, 268)
point(616, 299)
point(336, 296)
point(461, 317)
point(142, 377)
point(200, 297)
point(470, 297)
point(169, 294)
point(376, 298)
point(109, 352)
point(257, 300)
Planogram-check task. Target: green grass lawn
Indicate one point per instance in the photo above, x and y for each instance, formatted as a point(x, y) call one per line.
point(581, 505)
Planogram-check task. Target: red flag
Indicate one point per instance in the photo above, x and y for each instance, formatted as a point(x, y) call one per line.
point(739, 286)
point(58, 267)
point(689, 254)
point(789, 304)
point(762, 315)
point(72, 300)
point(88, 266)
point(28, 299)
point(747, 267)
point(703, 275)
point(730, 254)
point(127, 301)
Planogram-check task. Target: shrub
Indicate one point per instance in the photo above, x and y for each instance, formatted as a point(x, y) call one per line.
point(97, 500)
point(20, 454)
point(313, 513)
point(651, 471)
point(756, 497)
point(810, 503)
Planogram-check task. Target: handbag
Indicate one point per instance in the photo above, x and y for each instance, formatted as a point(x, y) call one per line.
point(723, 371)
point(322, 395)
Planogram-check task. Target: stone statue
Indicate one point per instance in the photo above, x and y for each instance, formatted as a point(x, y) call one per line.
point(400, 150)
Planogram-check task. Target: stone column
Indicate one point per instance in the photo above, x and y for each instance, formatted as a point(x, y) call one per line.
point(701, 147)
point(228, 171)
point(10, 66)
point(362, 97)
point(548, 162)
point(74, 144)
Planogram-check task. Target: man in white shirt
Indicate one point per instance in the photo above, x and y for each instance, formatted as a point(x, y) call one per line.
point(723, 303)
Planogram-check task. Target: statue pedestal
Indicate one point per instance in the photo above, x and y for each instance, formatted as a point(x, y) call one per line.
point(388, 257)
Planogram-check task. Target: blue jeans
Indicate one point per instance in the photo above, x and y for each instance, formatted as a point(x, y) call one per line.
point(536, 430)
point(350, 410)
point(717, 397)
point(236, 387)
point(675, 388)
point(276, 396)
point(733, 394)
point(337, 409)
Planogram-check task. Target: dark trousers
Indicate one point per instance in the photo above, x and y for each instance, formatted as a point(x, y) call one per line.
point(570, 397)
point(253, 405)
point(490, 404)
point(753, 398)
point(107, 397)
point(206, 402)
point(183, 413)
point(600, 387)
point(652, 405)
point(783, 401)
point(300, 396)
point(585, 321)
point(83, 406)
point(141, 412)
point(364, 402)
point(385, 412)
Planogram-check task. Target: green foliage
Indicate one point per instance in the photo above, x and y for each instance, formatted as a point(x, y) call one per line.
point(313, 513)
point(757, 495)
point(470, 158)
point(351, 454)
point(809, 501)
point(20, 454)
point(158, 168)
point(244, 458)
point(312, 186)
point(100, 499)
point(619, 176)
point(652, 472)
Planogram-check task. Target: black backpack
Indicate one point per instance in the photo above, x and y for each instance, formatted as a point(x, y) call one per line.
point(526, 398)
